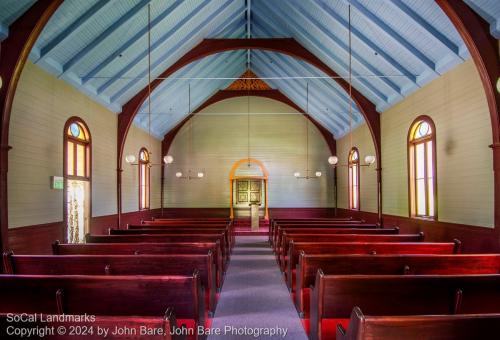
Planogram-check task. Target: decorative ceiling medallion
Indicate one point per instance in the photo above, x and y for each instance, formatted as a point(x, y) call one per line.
point(248, 82)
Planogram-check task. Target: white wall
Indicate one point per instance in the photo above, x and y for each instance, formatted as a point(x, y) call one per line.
point(41, 107)
point(277, 139)
point(457, 104)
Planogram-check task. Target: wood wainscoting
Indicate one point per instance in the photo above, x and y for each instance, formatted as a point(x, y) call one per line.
point(474, 239)
point(37, 239)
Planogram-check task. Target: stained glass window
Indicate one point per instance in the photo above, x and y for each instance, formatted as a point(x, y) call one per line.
point(77, 151)
point(144, 179)
point(422, 168)
point(353, 179)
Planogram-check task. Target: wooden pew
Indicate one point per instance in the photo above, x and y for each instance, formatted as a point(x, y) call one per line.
point(367, 248)
point(403, 264)
point(281, 227)
point(442, 327)
point(105, 296)
point(165, 328)
point(325, 237)
point(275, 222)
point(161, 228)
point(332, 230)
point(165, 238)
point(334, 297)
point(145, 249)
point(118, 265)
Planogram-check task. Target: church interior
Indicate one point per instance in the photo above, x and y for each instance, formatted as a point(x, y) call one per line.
point(250, 169)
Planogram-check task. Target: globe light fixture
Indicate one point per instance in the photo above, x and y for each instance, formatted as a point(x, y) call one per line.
point(168, 159)
point(296, 174)
point(318, 173)
point(333, 160)
point(130, 159)
point(369, 160)
point(200, 174)
point(178, 174)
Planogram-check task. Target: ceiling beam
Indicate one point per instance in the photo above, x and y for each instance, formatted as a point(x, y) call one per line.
point(302, 12)
point(71, 29)
point(395, 36)
point(104, 35)
point(307, 36)
point(130, 42)
point(213, 16)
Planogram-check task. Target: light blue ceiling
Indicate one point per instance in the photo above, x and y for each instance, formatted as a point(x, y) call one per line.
point(101, 48)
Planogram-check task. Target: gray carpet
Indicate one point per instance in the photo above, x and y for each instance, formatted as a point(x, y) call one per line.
point(254, 297)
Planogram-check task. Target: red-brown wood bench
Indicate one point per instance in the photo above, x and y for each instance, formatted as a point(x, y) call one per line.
point(184, 264)
point(367, 248)
point(403, 264)
point(334, 297)
point(105, 296)
point(164, 238)
point(145, 249)
point(276, 221)
point(131, 327)
point(418, 327)
point(186, 229)
point(320, 237)
point(281, 227)
point(333, 230)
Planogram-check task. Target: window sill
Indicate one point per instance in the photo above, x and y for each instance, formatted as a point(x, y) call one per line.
point(423, 218)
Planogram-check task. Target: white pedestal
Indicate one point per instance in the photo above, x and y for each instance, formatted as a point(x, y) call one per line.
point(254, 215)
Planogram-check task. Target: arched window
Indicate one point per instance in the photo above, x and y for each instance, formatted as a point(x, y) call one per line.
point(77, 179)
point(144, 179)
point(353, 179)
point(422, 168)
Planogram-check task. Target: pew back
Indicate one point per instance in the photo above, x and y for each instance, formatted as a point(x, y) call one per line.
point(442, 327)
point(334, 296)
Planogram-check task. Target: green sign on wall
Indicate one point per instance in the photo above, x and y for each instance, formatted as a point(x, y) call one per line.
point(57, 182)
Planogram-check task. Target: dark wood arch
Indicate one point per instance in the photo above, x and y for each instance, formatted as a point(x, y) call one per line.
point(228, 94)
point(23, 34)
point(483, 48)
point(288, 46)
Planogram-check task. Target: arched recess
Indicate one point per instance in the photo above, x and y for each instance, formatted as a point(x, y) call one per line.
point(483, 48)
point(288, 46)
point(264, 177)
point(228, 94)
point(23, 34)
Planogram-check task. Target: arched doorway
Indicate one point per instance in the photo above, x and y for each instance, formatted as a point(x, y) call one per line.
point(248, 183)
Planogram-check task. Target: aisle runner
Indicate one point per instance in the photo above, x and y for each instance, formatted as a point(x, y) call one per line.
point(254, 297)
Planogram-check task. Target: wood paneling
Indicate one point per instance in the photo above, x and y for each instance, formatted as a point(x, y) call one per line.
point(474, 239)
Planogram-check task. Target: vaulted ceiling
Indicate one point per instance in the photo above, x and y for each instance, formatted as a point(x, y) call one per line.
point(101, 48)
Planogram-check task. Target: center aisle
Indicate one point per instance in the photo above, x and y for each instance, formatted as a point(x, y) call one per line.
point(254, 296)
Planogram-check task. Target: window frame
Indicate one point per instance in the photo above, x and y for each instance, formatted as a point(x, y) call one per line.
point(350, 186)
point(146, 165)
point(88, 157)
point(412, 178)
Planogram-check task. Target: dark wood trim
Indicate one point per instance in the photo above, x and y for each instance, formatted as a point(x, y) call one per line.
point(483, 48)
point(410, 145)
point(15, 51)
point(71, 120)
point(227, 94)
point(474, 239)
point(208, 47)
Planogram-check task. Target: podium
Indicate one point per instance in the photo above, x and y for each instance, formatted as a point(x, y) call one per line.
point(254, 216)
